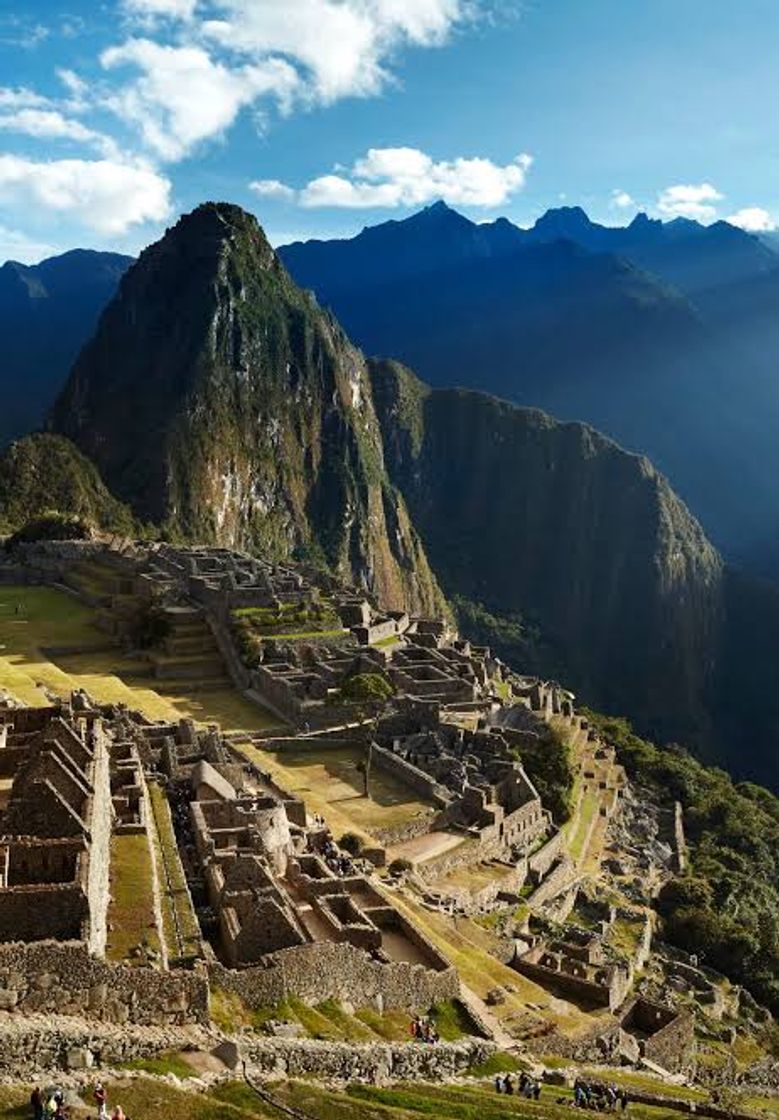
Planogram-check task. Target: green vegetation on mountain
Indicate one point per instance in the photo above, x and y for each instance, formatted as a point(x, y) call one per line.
point(549, 761)
point(45, 475)
point(725, 907)
point(224, 405)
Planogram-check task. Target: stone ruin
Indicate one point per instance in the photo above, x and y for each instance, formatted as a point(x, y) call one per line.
point(586, 963)
point(481, 787)
point(75, 774)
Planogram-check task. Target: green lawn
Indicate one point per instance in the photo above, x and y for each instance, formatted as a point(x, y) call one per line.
point(131, 918)
point(578, 836)
point(49, 620)
point(145, 1099)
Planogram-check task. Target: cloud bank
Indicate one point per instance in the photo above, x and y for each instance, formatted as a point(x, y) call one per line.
point(392, 177)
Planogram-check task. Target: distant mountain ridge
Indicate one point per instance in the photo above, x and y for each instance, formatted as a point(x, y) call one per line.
point(644, 331)
point(47, 311)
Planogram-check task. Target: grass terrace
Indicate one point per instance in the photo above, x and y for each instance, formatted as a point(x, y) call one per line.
point(150, 1099)
point(290, 621)
point(38, 623)
point(331, 784)
point(131, 913)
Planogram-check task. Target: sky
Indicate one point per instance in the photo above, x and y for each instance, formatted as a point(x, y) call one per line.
point(323, 116)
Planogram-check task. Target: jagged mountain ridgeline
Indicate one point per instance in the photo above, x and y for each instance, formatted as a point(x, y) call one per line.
point(222, 404)
point(47, 312)
point(661, 335)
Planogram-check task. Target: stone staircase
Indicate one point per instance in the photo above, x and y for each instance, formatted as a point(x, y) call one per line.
point(189, 652)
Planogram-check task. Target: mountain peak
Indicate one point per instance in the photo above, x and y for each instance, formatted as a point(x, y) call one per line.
point(563, 221)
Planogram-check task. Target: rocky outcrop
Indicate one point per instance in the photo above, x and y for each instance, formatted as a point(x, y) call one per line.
point(223, 404)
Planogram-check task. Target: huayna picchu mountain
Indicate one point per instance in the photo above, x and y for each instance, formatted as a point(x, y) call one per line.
point(221, 403)
point(224, 405)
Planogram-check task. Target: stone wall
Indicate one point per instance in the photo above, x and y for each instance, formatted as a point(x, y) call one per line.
point(562, 875)
point(580, 990)
point(98, 875)
point(416, 779)
point(51, 978)
point(36, 1044)
point(51, 910)
point(341, 1061)
point(673, 1045)
point(327, 970)
point(540, 862)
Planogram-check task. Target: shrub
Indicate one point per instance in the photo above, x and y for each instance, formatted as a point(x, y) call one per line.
point(367, 688)
point(400, 866)
point(351, 842)
point(51, 526)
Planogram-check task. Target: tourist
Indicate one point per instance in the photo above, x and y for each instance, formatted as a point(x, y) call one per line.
point(508, 1085)
point(498, 1083)
point(36, 1103)
point(118, 1113)
point(100, 1101)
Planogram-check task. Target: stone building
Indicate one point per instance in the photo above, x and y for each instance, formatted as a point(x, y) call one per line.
point(55, 826)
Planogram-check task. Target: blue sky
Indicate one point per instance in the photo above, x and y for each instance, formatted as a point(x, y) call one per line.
point(322, 116)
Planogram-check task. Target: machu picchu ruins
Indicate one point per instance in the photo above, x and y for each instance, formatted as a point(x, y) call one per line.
point(373, 792)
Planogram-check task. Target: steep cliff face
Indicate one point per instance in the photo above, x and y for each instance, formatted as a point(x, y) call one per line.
point(554, 522)
point(221, 403)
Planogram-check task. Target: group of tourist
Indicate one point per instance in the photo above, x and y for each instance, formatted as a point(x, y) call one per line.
point(50, 1105)
point(424, 1029)
point(338, 863)
point(601, 1098)
point(526, 1086)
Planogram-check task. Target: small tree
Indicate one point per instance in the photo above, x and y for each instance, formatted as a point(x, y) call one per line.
point(351, 842)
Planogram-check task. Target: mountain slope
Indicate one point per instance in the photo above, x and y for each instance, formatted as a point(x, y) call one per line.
point(558, 318)
point(557, 523)
point(223, 404)
point(47, 312)
point(44, 473)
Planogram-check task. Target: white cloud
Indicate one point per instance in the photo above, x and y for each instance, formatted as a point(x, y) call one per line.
point(689, 200)
point(173, 9)
point(390, 177)
point(21, 98)
point(102, 195)
point(182, 97)
point(754, 219)
point(17, 246)
point(19, 31)
point(272, 188)
point(622, 200)
point(343, 46)
point(49, 124)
